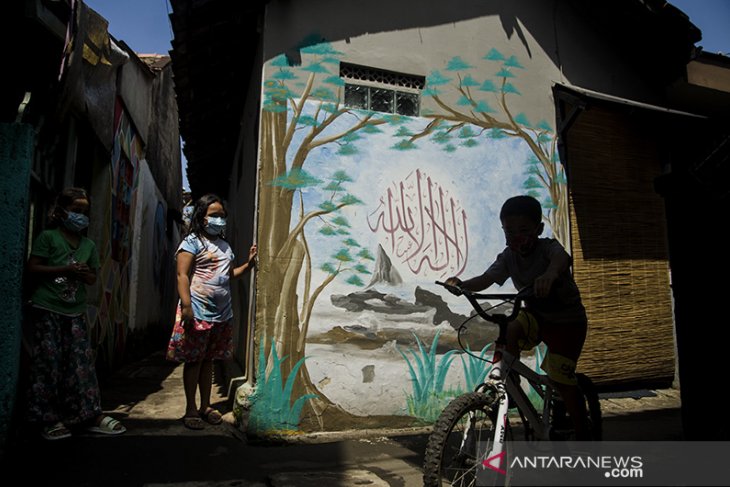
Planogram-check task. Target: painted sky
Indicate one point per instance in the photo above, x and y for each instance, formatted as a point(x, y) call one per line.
point(504, 159)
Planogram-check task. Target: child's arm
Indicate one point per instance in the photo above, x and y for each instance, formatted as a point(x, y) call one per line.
point(184, 264)
point(559, 262)
point(37, 265)
point(477, 283)
point(474, 284)
point(250, 263)
point(87, 275)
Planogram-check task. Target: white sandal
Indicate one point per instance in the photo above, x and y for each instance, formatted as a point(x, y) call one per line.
point(56, 431)
point(107, 426)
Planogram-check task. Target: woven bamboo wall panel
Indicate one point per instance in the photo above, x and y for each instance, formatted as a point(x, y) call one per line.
point(619, 252)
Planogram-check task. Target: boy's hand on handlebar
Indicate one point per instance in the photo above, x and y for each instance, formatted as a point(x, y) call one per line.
point(453, 285)
point(543, 284)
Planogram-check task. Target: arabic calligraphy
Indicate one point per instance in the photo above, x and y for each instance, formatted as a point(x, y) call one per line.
point(423, 225)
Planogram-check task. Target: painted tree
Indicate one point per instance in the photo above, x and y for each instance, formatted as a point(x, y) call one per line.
point(485, 106)
point(298, 117)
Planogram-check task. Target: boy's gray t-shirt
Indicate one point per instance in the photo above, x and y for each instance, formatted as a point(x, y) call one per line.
point(564, 304)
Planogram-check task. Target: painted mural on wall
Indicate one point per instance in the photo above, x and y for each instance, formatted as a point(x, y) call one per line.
point(109, 320)
point(360, 212)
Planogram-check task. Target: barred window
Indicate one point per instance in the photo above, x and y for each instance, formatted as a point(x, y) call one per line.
point(380, 90)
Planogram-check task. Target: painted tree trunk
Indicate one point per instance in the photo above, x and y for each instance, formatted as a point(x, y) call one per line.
point(277, 315)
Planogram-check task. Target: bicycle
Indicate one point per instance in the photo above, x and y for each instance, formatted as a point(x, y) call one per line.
point(474, 428)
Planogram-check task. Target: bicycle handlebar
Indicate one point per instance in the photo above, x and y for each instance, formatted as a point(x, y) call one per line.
point(498, 318)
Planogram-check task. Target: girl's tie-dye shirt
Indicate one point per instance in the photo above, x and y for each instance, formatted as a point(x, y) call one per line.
point(210, 289)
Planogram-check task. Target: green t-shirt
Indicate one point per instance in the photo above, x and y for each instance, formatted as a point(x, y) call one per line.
point(62, 294)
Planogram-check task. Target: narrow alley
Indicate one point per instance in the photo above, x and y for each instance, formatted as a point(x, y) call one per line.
point(158, 451)
point(275, 192)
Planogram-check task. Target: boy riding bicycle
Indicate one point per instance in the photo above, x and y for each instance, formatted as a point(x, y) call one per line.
point(555, 315)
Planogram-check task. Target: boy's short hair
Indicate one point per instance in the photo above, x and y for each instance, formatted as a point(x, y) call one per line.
point(526, 206)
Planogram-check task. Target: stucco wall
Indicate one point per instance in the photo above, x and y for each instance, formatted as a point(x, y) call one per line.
point(558, 44)
point(358, 212)
point(150, 273)
point(135, 89)
point(163, 143)
point(16, 155)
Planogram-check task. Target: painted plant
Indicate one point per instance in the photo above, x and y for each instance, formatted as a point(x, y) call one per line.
point(476, 367)
point(428, 377)
point(272, 409)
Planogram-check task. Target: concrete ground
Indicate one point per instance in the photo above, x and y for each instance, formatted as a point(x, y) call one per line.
point(157, 450)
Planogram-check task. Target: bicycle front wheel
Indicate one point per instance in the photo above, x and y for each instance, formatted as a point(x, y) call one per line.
point(461, 439)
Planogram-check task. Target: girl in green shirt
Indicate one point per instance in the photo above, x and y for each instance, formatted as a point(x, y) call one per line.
point(64, 390)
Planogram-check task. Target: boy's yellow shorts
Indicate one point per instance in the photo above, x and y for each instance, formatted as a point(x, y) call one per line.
point(557, 367)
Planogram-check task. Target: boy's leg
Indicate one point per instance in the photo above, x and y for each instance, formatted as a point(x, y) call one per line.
point(515, 334)
point(522, 333)
point(565, 342)
point(574, 403)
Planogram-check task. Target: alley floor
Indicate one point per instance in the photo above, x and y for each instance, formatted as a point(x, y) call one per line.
point(158, 450)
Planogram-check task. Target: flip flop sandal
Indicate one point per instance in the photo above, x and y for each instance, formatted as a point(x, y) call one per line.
point(57, 431)
point(211, 416)
point(193, 422)
point(107, 426)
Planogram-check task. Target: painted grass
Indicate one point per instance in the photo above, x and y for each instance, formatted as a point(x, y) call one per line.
point(427, 377)
point(271, 407)
point(475, 369)
point(532, 394)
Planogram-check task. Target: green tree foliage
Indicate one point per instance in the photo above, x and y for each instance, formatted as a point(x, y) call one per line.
point(485, 105)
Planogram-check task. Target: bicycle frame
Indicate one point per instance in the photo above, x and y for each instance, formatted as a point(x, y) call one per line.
point(503, 379)
point(471, 434)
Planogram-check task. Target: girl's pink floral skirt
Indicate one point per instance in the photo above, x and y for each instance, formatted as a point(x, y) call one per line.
point(202, 340)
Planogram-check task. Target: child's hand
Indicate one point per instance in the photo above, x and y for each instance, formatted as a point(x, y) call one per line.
point(186, 315)
point(543, 284)
point(453, 283)
point(78, 270)
point(252, 253)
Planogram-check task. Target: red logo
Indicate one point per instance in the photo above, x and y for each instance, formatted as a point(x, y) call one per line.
point(495, 462)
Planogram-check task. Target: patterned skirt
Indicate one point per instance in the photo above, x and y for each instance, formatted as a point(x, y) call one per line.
point(62, 377)
point(200, 340)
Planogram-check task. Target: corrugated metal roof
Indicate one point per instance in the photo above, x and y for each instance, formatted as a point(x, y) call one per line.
point(623, 101)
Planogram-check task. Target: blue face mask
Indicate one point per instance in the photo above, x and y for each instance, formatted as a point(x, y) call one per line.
point(216, 225)
point(76, 222)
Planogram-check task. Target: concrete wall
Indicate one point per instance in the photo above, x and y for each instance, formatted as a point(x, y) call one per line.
point(350, 199)
point(149, 247)
point(559, 45)
point(134, 242)
point(16, 154)
point(135, 89)
point(162, 150)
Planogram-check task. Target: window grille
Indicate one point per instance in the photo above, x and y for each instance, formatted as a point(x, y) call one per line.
point(380, 90)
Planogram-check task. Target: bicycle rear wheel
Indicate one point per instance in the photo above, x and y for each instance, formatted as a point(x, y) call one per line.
point(461, 439)
point(593, 406)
